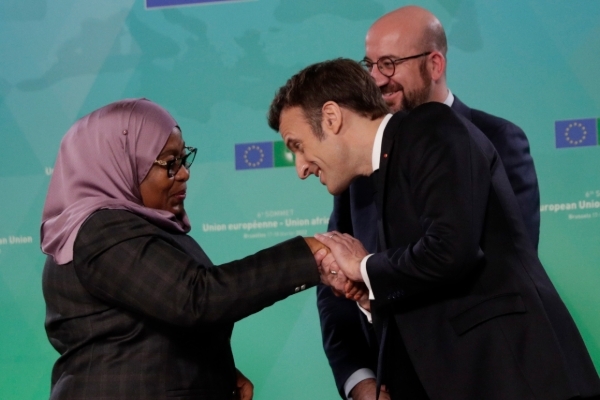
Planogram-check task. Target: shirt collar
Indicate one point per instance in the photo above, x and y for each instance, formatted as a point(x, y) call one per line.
point(377, 144)
point(449, 99)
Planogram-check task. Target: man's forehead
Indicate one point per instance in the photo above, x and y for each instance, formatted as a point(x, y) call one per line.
point(387, 42)
point(291, 123)
point(291, 116)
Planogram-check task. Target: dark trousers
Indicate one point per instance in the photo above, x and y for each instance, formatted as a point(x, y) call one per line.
point(399, 375)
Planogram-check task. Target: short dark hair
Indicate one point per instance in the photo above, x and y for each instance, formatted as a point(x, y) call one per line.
point(341, 80)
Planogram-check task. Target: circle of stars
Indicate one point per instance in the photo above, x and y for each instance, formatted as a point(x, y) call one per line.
point(583, 136)
point(260, 158)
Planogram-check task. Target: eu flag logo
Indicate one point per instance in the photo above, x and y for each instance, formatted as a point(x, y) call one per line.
point(576, 133)
point(263, 155)
point(254, 155)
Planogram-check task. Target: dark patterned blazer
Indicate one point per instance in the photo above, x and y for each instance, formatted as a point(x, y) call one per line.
point(474, 311)
point(141, 313)
point(347, 338)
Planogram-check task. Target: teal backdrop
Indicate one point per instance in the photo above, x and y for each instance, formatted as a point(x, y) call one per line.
point(216, 68)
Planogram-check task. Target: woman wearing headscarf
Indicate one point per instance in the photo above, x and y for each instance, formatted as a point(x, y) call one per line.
point(135, 307)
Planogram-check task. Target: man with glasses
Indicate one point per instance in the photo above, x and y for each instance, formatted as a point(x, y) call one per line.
point(461, 304)
point(405, 54)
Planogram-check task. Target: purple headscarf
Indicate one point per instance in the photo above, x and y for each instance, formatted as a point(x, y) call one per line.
point(102, 160)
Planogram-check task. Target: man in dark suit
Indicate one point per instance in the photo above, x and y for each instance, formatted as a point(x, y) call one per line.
point(462, 307)
point(406, 57)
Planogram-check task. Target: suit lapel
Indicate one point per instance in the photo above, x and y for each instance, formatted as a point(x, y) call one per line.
point(379, 177)
point(379, 182)
point(461, 108)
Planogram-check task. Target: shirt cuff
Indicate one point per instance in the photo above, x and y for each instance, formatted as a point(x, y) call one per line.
point(363, 272)
point(367, 313)
point(356, 378)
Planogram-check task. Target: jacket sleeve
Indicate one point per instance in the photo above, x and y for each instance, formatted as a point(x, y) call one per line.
point(348, 342)
point(130, 263)
point(344, 334)
point(513, 147)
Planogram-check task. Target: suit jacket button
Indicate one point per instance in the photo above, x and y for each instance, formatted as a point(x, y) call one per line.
point(302, 287)
point(297, 289)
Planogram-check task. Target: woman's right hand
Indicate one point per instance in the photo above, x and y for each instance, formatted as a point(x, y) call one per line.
point(331, 275)
point(315, 246)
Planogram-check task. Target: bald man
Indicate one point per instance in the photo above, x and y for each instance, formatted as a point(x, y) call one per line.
point(405, 53)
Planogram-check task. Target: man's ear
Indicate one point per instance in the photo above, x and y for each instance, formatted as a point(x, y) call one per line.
point(437, 65)
point(331, 115)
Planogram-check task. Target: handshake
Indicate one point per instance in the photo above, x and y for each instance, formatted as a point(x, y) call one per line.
point(338, 257)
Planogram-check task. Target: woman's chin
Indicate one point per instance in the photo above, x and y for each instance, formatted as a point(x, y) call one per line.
point(178, 210)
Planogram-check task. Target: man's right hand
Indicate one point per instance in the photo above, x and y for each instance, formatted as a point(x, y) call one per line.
point(367, 389)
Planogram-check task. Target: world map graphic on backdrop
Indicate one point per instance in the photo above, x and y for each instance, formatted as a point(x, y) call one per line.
point(173, 3)
point(216, 67)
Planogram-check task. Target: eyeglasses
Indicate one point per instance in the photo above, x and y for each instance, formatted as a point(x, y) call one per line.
point(175, 164)
point(387, 65)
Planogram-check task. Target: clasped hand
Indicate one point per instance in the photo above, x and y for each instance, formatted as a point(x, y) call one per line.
point(339, 264)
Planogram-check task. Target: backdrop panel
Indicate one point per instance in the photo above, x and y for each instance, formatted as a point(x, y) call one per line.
point(215, 66)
